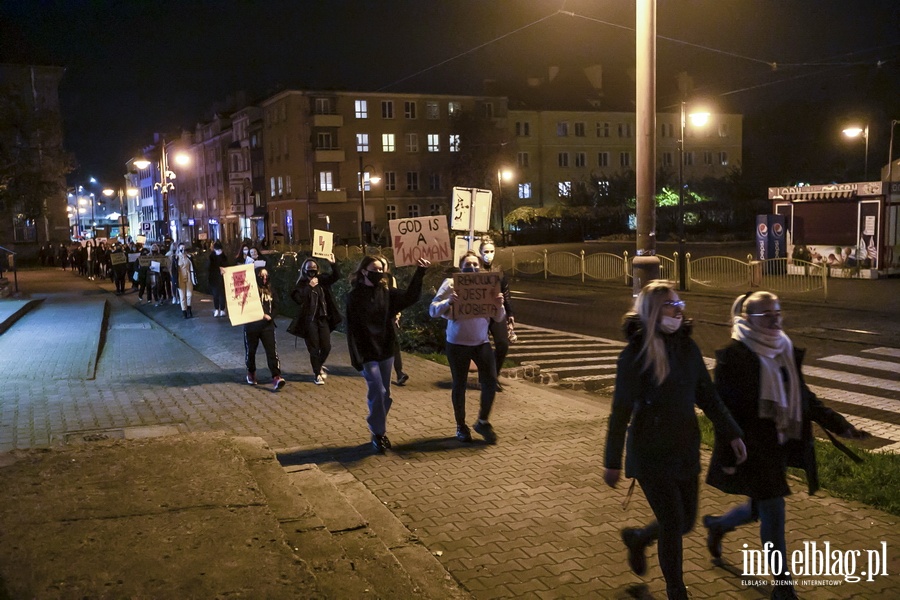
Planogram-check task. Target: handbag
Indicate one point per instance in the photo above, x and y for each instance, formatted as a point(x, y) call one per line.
point(294, 327)
point(511, 332)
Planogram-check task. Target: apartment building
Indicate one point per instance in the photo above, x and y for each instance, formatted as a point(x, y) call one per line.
point(559, 150)
point(316, 144)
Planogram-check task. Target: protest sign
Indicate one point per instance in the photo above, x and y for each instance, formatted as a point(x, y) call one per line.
point(420, 237)
point(154, 266)
point(118, 258)
point(323, 245)
point(461, 246)
point(476, 295)
point(242, 295)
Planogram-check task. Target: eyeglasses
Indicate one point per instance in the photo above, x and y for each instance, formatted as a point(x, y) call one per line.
point(675, 304)
point(771, 314)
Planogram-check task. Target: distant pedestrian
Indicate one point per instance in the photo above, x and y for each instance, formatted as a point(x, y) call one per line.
point(371, 306)
point(660, 376)
point(263, 331)
point(499, 329)
point(318, 315)
point(759, 376)
point(217, 262)
point(243, 253)
point(468, 341)
point(119, 269)
point(184, 270)
point(170, 281)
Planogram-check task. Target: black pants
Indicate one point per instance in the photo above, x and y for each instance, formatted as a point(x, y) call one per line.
point(459, 357)
point(218, 293)
point(119, 279)
point(251, 343)
point(674, 504)
point(318, 343)
point(398, 355)
point(501, 342)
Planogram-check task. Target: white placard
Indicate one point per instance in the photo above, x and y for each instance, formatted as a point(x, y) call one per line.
point(154, 266)
point(323, 245)
point(242, 295)
point(461, 207)
point(461, 246)
point(869, 227)
point(259, 264)
point(420, 237)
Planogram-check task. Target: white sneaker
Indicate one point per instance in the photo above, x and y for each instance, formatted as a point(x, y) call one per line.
point(175, 301)
point(216, 313)
point(320, 380)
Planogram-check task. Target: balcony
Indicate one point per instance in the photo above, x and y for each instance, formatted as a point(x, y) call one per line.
point(330, 155)
point(328, 120)
point(332, 196)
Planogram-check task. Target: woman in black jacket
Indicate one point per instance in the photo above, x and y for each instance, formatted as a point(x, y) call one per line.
point(759, 377)
point(263, 331)
point(660, 376)
point(371, 307)
point(318, 315)
point(217, 261)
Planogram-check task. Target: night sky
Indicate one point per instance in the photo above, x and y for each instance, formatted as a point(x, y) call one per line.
point(797, 69)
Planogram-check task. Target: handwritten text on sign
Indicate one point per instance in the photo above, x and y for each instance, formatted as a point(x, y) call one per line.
point(420, 237)
point(476, 295)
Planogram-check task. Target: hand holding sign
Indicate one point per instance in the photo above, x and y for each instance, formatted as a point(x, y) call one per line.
point(323, 245)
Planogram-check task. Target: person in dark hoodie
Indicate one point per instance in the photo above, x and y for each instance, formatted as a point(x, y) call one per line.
point(318, 315)
point(499, 329)
point(217, 261)
point(660, 377)
point(263, 331)
point(760, 379)
point(371, 307)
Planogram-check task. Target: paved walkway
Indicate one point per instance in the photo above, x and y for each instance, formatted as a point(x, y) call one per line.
point(529, 517)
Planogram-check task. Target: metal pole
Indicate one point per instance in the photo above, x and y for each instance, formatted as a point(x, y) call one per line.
point(122, 214)
point(93, 221)
point(165, 188)
point(362, 206)
point(500, 204)
point(866, 173)
point(681, 257)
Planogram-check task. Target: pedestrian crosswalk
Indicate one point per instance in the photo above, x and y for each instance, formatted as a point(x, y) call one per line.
point(865, 387)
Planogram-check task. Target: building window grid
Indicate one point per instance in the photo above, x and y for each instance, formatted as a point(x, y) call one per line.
point(434, 182)
point(723, 158)
point(454, 142)
point(522, 159)
point(435, 209)
point(412, 181)
point(432, 111)
point(362, 142)
point(564, 188)
point(434, 142)
point(524, 190)
point(707, 157)
point(387, 142)
point(580, 159)
point(562, 129)
point(390, 181)
point(603, 159)
point(412, 142)
point(387, 109)
point(412, 211)
point(326, 181)
point(562, 159)
point(390, 212)
point(625, 159)
point(579, 129)
point(409, 109)
point(362, 109)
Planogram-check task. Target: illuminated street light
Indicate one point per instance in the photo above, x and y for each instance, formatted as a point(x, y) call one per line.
point(165, 184)
point(109, 192)
point(697, 119)
point(363, 238)
point(855, 132)
point(502, 174)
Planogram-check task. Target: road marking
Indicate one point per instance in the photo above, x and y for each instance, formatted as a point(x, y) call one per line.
point(573, 353)
point(584, 368)
point(857, 398)
point(852, 378)
point(866, 363)
point(574, 336)
point(597, 347)
point(592, 359)
point(592, 377)
point(520, 299)
point(893, 352)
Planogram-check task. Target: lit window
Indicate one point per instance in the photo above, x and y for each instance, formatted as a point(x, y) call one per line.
point(272, 186)
point(362, 109)
point(434, 142)
point(723, 158)
point(287, 184)
point(362, 142)
point(387, 142)
point(326, 181)
point(454, 142)
point(280, 185)
point(565, 189)
point(524, 190)
point(453, 109)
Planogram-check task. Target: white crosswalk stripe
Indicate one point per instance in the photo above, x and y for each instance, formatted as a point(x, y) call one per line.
point(584, 358)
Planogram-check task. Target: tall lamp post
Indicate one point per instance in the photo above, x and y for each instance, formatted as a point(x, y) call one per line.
point(699, 119)
point(166, 177)
point(854, 132)
point(363, 238)
point(82, 202)
point(502, 174)
point(109, 192)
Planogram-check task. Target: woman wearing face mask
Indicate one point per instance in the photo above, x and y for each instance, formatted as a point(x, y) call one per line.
point(499, 329)
point(759, 376)
point(467, 341)
point(263, 331)
point(185, 278)
point(243, 253)
point(371, 307)
point(318, 314)
point(217, 262)
point(660, 376)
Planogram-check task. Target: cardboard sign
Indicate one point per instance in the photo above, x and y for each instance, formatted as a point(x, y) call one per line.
point(477, 295)
point(242, 295)
point(461, 246)
point(420, 237)
point(259, 264)
point(118, 258)
point(133, 256)
point(141, 239)
point(154, 266)
point(461, 208)
point(323, 245)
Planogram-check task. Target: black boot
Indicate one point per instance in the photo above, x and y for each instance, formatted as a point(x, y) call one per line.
point(184, 312)
point(190, 314)
point(636, 542)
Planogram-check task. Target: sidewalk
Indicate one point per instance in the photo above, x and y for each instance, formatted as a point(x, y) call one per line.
point(529, 517)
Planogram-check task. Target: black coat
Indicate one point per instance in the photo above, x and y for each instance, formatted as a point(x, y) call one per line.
point(763, 475)
point(663, 435)
point(308, 298)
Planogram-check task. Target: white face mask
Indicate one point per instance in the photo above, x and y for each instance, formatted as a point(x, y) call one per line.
point(670, 324)
point(219, 252)
point(487, 257)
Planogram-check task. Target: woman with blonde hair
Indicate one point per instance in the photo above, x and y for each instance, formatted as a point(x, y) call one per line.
point(660, 377)
point(759, 376)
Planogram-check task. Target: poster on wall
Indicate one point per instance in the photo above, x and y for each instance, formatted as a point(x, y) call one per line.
point(863, 254)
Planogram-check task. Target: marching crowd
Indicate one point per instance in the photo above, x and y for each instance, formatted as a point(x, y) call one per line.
point(758, 402)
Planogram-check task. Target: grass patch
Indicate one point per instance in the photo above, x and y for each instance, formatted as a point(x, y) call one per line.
point(875, 482)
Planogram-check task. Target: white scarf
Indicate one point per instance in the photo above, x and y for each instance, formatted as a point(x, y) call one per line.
point(777, 402)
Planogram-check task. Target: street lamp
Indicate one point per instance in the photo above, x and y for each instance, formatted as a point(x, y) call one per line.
point(363, 239)
point(502, 174)
point(109, 192)
point(854, 132)
point(166, 176)
point(83, 201)
point(698, 119)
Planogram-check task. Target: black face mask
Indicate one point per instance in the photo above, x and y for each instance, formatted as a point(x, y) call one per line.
point(311, 274)
point(374, 277)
